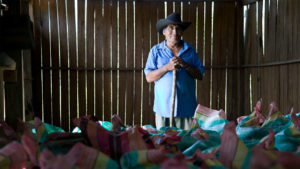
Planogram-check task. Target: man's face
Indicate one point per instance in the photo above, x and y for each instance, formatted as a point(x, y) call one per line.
point(173, 33)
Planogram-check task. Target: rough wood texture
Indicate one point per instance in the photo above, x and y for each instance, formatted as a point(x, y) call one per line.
point(36, 83)
point(90, 56)
point(251, 48)
point(65, 112)
point(46, 87)
point(114, 58)
point(99, 61)
point(55, 90)
point(122, 61)
point(118, 46)
point(130, 64)
point(138, 62)
point(204, 85)
point(146, 108)
point(72, 60)
point(81, 57)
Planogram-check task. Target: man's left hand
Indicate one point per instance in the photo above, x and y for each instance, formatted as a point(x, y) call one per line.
point(181, 63)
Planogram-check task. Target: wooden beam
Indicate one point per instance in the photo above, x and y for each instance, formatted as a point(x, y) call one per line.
point(247, 2)
point(278, 63)
point(181, 0)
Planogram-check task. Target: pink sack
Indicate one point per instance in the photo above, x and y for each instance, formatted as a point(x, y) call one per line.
point(210, 112)
point(15, 154)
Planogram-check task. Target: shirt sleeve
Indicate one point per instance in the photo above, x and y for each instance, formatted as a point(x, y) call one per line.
point(151, 63)
point(197, 63)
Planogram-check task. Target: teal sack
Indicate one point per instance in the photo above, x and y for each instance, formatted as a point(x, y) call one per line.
point(214, 123)
point(252, 135)
point(106, 124)
point(187, 139)
point(212, 143)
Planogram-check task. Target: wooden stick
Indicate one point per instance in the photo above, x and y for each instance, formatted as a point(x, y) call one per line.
point(173, 99)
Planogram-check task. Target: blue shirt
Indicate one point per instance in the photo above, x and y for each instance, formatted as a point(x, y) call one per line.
point(185, 100)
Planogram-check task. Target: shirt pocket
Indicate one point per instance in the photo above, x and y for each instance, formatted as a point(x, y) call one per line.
point(161, 61)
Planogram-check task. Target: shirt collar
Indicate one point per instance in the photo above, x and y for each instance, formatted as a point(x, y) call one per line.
point(163, 45)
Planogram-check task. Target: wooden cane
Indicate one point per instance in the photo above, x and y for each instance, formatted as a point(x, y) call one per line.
point(173, 99)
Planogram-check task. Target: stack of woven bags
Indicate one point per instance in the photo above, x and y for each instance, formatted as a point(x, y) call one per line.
point(253, 142)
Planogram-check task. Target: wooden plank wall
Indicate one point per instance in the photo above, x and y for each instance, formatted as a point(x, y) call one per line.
point(272, 55)
point(90, 55)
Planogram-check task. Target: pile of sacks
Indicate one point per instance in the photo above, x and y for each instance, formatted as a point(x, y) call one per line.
point(213, 142)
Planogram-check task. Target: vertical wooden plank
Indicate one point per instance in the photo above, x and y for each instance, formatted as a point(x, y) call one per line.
point(65, 116)
point(271, 34)
point(267, 87)
point(146, 108)
point(231, 59)
point(130, 65)
point(189, 15)
point(285, 68)
point(90, 56)
point(81, 57)
point(264, 86)
point(72, 60)
point(259, 48)
point(154, 41)
point(227, 38)
point(204, 96)
point(114, 57)
point(27, 82)
point(37, 83)
point(217, 84)
point(199, 46)
point(222, 55)
point(270, 90)
point(217, 12)
point(46, 62)
point(169, 7)
point(55, 63)
point(161, 15)
point(295, 45)
point(107, 60)
point(240, 59)
point(178, 7)
point(292, 68)
point(193, 27)
point(266, 20)
point(122, 60)
point(100, 30)
point(253, 56)
point(280, 51)
point(297, 49)
point(200, 30)
point(251, 59)
point(138, 62)
point(247, 54)
point(274, 93)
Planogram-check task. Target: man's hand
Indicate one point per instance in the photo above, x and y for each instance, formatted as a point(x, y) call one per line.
point(181, 63)
point(175, 63)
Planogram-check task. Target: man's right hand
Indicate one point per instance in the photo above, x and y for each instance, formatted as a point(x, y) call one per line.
point(173, 64)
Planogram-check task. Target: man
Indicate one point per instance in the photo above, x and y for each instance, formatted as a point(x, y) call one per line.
point(173, 54)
